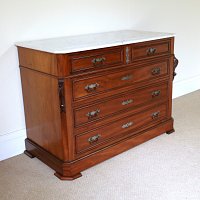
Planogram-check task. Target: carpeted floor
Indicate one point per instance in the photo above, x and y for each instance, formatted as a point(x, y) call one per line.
point(165, 168)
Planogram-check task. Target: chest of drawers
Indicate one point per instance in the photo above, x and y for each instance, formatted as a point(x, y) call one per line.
point(85, 105)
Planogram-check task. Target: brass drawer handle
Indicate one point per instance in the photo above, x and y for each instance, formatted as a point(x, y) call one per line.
point(127, 77)
point(124, 103)
point(151, 51)
point(94, 138)
point(91, 87)
point(156, 71)
point(127, 125)
point(156, 93)
point(93, 114)
point(98, 60)
point(155, 115)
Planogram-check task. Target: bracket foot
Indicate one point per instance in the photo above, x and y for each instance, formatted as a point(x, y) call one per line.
point(29, 154)
point(169, 132)
point(67, 178)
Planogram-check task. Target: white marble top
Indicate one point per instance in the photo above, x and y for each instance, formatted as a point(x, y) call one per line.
point(71, 44)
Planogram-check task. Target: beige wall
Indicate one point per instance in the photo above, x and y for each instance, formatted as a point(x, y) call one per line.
point(180, 17)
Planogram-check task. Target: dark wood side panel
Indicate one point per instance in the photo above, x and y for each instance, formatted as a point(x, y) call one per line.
point(42, 110)
point(38, 60)
point(170, 83)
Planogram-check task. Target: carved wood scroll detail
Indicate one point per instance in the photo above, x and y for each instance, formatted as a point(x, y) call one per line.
point(175, 65)
point(127, 55)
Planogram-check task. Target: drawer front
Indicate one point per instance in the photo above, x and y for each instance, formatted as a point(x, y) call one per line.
point(131, 99)
point(96, 59)
point(94, 85)
point(150, 49)
point(120, 128)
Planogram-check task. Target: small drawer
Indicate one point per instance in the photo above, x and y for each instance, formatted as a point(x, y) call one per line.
point(130, 99)
point(120, 128)
point(96, 59)
point(93, 85)
point(150, 49)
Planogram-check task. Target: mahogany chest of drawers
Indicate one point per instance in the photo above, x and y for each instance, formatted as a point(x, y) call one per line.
point(85, 106)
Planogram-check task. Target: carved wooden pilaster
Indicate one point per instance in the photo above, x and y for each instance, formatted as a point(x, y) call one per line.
point(127, 55)
point(175, 65)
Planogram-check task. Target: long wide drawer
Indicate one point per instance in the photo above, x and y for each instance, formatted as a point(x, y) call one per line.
point(91, 85)
point(130, 99)
point(120, 128)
